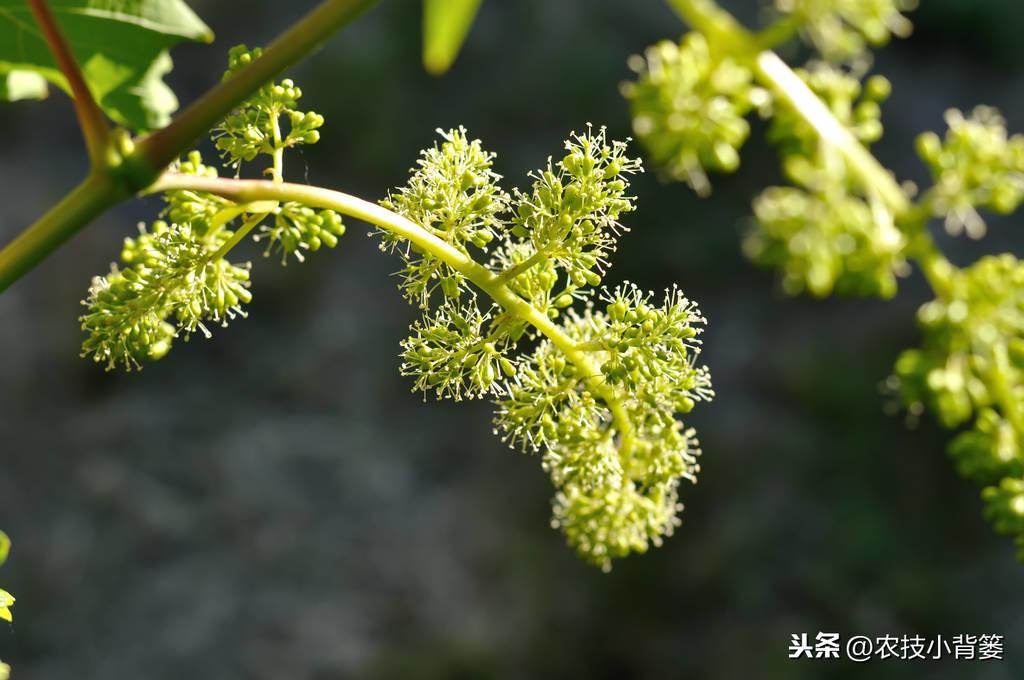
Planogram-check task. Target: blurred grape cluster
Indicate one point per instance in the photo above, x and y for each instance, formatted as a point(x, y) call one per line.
point(828, 232)
point(689, 107)
point(977, 165)
point(971, 366)
point(843, 224)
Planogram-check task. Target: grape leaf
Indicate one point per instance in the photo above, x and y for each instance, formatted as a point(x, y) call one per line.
point(121, 46)
point(445, 25)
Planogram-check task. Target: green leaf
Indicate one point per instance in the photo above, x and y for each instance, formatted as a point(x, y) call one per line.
point(15, 85)
point(5, 547)
point(445, 25)
point(120, 45)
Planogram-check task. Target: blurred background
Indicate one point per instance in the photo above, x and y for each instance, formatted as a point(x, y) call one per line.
point(275, 503)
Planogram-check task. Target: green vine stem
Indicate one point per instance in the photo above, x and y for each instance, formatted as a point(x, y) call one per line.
point(128, 166)
point(87, 201)
point(248, 191)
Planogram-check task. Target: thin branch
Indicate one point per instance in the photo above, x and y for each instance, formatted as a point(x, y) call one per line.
point(91, 119)
point(515, 270)
point(714, 22)
point(239, 234)
point(778, 33)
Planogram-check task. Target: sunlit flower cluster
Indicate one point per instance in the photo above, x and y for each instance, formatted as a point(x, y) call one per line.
point(257, 126)
point(174, 278)
point(599, 396)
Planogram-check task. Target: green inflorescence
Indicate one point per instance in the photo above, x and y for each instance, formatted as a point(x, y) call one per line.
point(826, 240)
point(689, 108)
point(597, 391)
point(456, 197)
point(174, 278)
point(257, 126)
point(971, 366)
point(977, 165)
point(171, 283)
point(828, 233)
point(600, 395)
point(843, 224)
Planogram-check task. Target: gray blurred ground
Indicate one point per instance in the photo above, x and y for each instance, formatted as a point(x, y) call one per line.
point(274, 503)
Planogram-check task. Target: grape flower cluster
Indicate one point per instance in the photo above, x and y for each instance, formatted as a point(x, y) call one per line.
point(256, 126)
point(689, 107)
point(599, 390)
point(592, 379)
point(977, 165)
point(827, 232)
point(970, 367)
point(174, 278)
point(843, 224)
